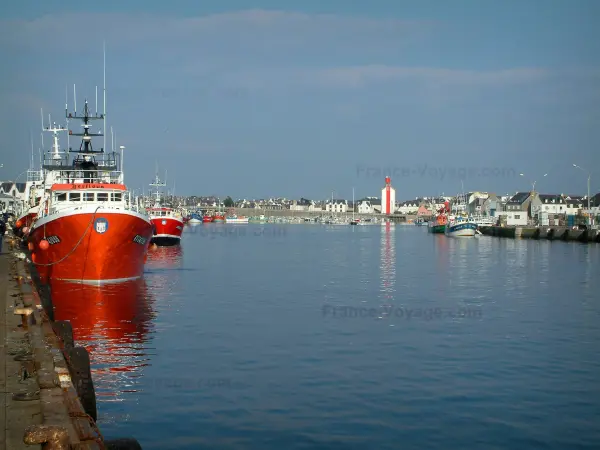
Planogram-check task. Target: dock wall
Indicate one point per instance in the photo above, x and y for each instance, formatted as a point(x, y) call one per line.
point(547, 233)
point(49, 399)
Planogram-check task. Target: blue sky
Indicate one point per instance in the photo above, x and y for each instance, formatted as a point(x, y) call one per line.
point(253, 99)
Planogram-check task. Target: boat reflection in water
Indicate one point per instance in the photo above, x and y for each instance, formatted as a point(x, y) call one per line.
point(114, 323)
point(164, 257)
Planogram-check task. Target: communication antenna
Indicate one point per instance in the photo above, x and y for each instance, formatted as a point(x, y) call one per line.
point(104, 89)
point(66, 115)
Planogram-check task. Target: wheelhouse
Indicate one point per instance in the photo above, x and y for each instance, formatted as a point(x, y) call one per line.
point(73, 195)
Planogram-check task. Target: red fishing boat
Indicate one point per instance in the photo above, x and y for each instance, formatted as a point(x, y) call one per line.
point(207, 219)
point(167, 223)
point(87, 229)
point(218, 216)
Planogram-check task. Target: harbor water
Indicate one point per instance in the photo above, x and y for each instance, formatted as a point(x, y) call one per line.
point(283, 336)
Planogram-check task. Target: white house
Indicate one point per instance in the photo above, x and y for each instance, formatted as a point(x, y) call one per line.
point(338, 206)
point(490, 206)
point(575, 204)
point(513, 218)
point(7, 203)
point(364, 207)
point(304, 205)
point(368, 205)
point(548, 204)
point(409, 206)
point(19, 193)
point(475, 202)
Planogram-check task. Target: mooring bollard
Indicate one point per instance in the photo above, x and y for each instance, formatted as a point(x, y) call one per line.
point(51, 437)
point(26, 314)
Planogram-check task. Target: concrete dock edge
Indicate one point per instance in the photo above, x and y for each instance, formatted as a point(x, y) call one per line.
point(553, 233)
point(41, 406)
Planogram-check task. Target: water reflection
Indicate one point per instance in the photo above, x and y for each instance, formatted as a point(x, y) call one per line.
point(113, 323)
point(388, 262)
point(165, 257)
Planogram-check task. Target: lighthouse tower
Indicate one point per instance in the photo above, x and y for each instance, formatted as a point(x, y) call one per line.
point(388, 197)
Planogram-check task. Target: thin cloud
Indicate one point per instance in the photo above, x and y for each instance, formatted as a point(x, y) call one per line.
point(363, 75)
point(261, 28)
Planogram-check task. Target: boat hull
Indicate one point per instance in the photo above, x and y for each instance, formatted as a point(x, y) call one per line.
point(218, 219)
point(167, 230)
point(236, 220)
point(207, 219)
point(461, 230)
point(91, 245)
point(437, 229)
point(23, 223)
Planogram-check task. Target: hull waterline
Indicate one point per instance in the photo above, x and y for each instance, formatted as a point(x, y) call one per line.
point(461, 230)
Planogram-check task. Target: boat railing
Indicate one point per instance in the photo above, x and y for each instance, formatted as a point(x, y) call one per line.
point(77, 175)
point(34, 175)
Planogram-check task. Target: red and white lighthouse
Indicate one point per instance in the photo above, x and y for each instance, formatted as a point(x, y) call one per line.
point(388, 197)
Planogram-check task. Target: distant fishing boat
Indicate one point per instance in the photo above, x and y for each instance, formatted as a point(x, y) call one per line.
point(236, 219)
point(459, 224)
point(167, 223)
point(195, 218)
point(420, 222)
point(438, 224)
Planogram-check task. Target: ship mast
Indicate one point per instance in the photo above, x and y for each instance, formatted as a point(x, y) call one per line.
point(157, 184)
point(54, 129)
point(85, 147)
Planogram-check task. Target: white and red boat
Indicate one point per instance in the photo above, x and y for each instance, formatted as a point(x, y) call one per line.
point(34, 191)
point(87, 229)
point(167, 223)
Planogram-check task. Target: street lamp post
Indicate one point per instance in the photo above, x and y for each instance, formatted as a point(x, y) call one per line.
point(533, 183)
point(588, 193)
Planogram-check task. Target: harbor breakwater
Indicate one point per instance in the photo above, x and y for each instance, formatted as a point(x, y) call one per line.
point(288, 213)
point(549, 233)
point(49, 399)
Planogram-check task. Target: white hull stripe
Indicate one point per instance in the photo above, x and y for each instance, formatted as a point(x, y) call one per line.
point(99, 282)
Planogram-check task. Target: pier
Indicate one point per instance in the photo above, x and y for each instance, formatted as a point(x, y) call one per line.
point(48, 396)
point(555, 233)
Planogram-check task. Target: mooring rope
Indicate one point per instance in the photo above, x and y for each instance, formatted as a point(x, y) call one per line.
point(76, 245)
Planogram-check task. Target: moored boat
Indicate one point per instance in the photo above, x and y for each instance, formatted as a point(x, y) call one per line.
point(438, 224)
point(167, 223)
point(87, 230)
point(460, 226)
point(195, 218)
point(236, 219)
point(420, 222)
point(34, 191)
